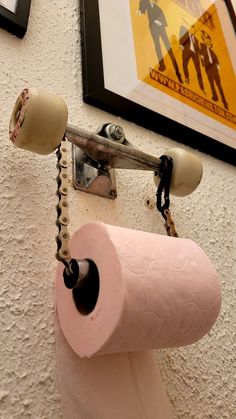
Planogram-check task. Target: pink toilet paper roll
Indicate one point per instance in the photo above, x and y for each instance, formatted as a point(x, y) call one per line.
point(154, 292)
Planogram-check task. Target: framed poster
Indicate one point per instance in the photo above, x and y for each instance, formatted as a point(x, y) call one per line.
point(167, 65)
point(14, 16)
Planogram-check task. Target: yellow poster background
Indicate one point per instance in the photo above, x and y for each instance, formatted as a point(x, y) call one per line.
point(167, 81)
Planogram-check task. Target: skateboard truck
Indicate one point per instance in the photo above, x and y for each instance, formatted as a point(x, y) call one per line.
point(39, 123)
point(96, 155)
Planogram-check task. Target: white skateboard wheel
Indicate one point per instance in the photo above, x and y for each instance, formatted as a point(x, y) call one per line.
point(187, 172)
point(38, 121)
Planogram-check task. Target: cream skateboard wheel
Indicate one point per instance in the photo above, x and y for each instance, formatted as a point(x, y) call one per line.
point(38, 121)
point(187, 172)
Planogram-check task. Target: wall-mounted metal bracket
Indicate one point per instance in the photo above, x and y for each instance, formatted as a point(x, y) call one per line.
point(95, 155)
point(91, 176)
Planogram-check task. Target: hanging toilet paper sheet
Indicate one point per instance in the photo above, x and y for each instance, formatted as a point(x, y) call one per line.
point(117, 386)
point(153, 292)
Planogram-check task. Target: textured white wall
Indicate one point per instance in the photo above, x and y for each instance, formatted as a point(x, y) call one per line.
point(200, 379)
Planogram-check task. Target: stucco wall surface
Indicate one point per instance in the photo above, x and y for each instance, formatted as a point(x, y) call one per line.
point(200, 379)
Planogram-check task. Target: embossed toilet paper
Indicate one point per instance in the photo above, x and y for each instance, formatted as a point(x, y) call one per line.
point(154, 292)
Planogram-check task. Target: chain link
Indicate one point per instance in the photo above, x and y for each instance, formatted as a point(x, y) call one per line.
point(63, 237)
point(169, 223)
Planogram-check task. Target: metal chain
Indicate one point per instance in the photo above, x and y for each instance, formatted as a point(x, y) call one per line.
point(63, 237)
point(75, 270)
point(163, 193)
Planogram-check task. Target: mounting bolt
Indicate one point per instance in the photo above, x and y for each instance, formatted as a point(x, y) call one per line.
point(112, 192)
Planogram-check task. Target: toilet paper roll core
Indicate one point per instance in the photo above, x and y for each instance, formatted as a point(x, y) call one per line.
point(85, 294)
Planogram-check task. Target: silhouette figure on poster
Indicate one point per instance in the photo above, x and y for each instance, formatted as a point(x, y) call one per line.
point(211, 65)
point(157, 26)
point(190, 51)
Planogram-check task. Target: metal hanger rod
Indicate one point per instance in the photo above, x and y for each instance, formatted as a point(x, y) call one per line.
point(110, 152)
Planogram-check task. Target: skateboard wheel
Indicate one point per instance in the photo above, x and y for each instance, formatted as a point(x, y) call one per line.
point(187, 172)
point(38, 121)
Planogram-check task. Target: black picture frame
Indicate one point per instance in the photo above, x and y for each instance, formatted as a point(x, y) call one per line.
point(95, 93)
point(16, 23)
